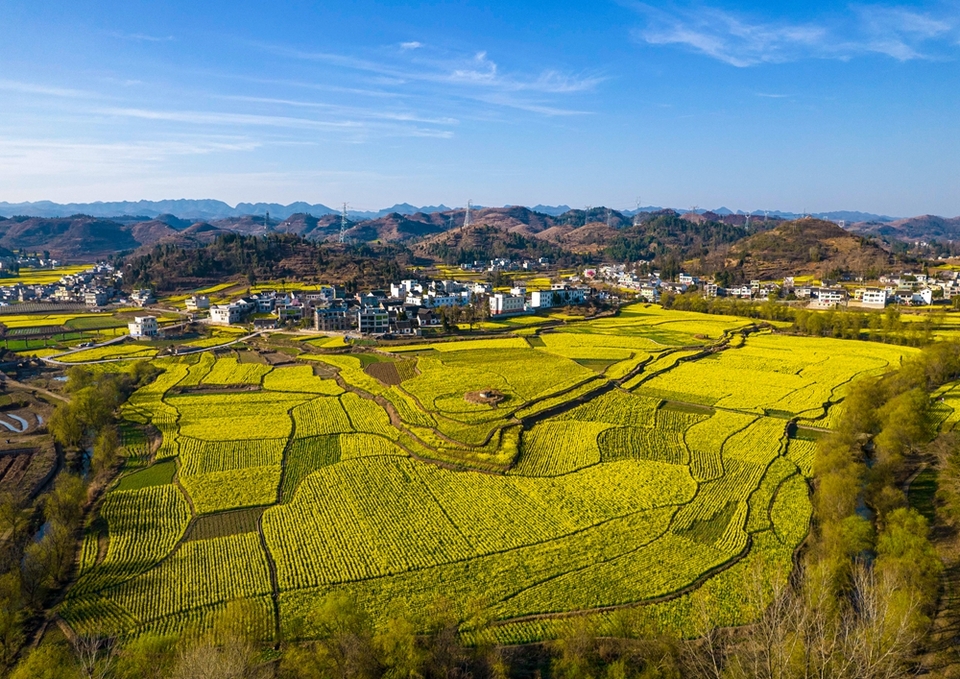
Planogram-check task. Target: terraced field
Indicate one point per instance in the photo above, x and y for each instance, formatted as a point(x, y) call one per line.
point(516, 475)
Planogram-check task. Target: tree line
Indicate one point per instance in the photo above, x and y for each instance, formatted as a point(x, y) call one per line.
point(38, 540)
point(875, 326)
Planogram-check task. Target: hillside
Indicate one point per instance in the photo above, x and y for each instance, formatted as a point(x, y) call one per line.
point(226, 255)
point(924, 228)
point(480, 242)
point(806, 246)
point(80, 238)
point(665, 235)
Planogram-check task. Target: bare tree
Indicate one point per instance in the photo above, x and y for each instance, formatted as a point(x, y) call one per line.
point(706, 656)
point(95, 654)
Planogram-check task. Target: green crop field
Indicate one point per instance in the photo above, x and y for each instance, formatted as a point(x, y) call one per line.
point(640, 460)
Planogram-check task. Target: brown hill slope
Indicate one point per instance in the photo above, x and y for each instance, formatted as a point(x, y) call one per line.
point(923, 228)
point(481, 241)
point(79, 238)
point(806, 247)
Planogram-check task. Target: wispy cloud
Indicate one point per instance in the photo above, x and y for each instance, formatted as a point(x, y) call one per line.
point(366, 113)
point(412, 45)
point(742, 40)
point(141, 37)
point(473, 75)
point(65, 156)
point(220, 118)
point(34, 88)
point(397, 127)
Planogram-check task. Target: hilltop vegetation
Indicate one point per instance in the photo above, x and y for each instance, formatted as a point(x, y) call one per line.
point(806, 247)
point(274, 257)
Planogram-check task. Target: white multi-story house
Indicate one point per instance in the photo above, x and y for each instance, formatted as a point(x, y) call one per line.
point(225, 314)
point(922, 297)
point(829, 296)
point(143, 297)
point(871, 297)
point(501, 303)
point(373, 321)
point(143, 326)
point(95, 297)
point(198, 302)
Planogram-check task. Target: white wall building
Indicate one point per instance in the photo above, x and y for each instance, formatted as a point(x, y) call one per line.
point(197, 302)
point(373, 321)
point(506, 304)
point(225, 314)
point(144, 326)
point(873, 297)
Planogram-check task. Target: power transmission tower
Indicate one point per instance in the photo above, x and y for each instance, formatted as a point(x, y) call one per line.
point(636, 214)
point(266, 221)
point(343, 224)
point(466, 216)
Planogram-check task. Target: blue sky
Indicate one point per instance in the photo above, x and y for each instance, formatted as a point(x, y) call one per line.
point(801, 106)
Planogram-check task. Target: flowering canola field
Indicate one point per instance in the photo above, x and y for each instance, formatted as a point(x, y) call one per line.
point(642, 461)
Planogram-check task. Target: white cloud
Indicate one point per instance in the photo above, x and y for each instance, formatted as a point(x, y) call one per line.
point(412, 45)
point(350, 130)
point(474, 75)
point(34, 88)
point(141, 37)
point(45, 157)
point(741, 40)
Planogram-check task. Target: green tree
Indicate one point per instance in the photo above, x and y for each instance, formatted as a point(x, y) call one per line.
point(105, 450)
point(65, 426)
point(12, 616)
point(48, 661)
point(400, 649)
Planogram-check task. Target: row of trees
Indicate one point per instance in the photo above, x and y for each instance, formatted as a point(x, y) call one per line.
point(888, 326)
point(38, 540)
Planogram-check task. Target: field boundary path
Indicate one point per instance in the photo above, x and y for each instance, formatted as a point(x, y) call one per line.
point(189, 352)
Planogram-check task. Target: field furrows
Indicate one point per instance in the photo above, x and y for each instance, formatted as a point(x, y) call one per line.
point(600, 498)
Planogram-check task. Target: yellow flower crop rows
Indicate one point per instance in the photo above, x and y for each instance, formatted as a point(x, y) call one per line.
point(617, 499)
point(228, 370)
point(552, 448)
point(299, 379)
point(109, 352)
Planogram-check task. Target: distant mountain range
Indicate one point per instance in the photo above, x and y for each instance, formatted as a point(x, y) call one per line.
point(84, 234)
point(215, 209)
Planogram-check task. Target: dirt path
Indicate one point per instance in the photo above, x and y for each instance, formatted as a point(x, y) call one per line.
point(35, 390)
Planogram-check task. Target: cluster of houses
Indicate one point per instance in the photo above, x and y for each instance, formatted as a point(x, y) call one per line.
point(501, 264)
point(904, 288)
point(93, 287)
point(10, 266)
point(406, 308)
point(518, 301)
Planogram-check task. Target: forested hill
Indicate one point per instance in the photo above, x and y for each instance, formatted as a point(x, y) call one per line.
point(669, 235)
point(804, 246)
point(257, 258)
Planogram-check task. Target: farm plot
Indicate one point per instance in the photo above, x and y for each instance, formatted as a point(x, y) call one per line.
point(228, 370)
point(599, 498)
point(789, 375)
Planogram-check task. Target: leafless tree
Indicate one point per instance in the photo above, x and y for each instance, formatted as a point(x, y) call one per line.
point(95, 654)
